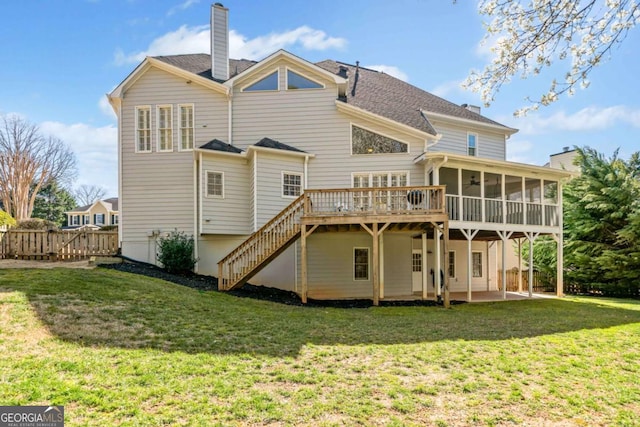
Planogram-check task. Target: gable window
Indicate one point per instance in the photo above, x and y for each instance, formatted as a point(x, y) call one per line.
point(165, 128)
point(266, 83)
point(296, 81)
point(476, 263)
point(186, 127)
point(472, 144)
point(215, 184)
point(364, 141)
point(291, 184)
point(360, 263)
point(143, 129)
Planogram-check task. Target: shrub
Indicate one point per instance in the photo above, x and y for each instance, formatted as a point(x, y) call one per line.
point(109, 228)
point(175, 252)
point(36, 224)
point(6, 219)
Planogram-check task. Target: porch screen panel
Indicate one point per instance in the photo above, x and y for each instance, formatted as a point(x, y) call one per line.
point(449, 178)
point(533, 199)
point(493, 197)
point(513, 188)
point(471, 191)
point(550, 203)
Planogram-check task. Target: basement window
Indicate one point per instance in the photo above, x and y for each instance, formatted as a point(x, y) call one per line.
point(360, 263)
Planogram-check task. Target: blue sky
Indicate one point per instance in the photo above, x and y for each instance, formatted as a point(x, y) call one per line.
point(60, 57)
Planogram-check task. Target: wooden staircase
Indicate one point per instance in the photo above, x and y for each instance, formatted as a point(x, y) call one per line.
point(261, 247)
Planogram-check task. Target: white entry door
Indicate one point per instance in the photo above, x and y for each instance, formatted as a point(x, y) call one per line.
point(416, 270)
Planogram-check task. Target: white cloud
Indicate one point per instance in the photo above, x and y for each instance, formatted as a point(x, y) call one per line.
point(196, 40)
point(519, 151)
point(391, 70)
point(95, 150)
point(182, 6)
point(105, 107)
point(446, 88)
point(586, 120)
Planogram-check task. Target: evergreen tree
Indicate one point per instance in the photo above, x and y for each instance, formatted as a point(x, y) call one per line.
point(52, 202)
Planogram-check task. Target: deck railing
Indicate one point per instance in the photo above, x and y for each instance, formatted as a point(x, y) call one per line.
point(498, 211)
point(375, 201)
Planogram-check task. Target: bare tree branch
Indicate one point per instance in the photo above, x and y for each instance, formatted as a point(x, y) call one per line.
point(88, 194)
point(28, 161)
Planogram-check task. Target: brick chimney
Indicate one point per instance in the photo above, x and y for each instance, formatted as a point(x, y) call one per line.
point(219, 42)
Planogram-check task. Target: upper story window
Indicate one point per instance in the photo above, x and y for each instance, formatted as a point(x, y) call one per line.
point(267, 83)
point(472, 144)
point(165, 128)
point(296, 81)
point(291, 184)
point(186, 127)
point(143, 129)
point(215, 184)
point(364, 141)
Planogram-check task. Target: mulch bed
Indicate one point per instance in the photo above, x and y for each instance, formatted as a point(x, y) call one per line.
point(209, 283)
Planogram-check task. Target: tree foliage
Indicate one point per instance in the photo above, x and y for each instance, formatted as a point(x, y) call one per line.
point(52, 202)
point(89, 194)
point(532, 35)
point(29, 160)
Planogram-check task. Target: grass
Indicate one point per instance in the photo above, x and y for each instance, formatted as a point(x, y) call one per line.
point(120, 349)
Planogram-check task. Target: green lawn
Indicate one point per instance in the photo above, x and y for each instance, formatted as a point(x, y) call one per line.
point(121, 349)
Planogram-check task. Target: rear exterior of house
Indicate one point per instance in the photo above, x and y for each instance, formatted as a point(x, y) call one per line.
point(330, 180)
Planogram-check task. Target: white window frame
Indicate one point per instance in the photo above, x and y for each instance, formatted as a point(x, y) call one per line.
point(286, 80)
point(138, 109)
point(264, 76)
point(475, 154)
point(481, 264)
point(206, 185)
point(455, 264)
point(352, 124)
point(159, 130)
point(371, 174)
point(86, 219)
point(180, 128)
point(114, 219)
point(354, 264)
point(298, 174)
point(75, 220)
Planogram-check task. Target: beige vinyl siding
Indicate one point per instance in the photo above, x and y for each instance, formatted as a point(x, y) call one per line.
point(269, 183)
point(490, 145)
point(330, 265)
point(157, 191)
point(231, 214)
point(214, 247)
point(309, 121)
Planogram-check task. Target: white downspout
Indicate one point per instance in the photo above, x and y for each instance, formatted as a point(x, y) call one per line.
point(197, 209)
point(230, 116)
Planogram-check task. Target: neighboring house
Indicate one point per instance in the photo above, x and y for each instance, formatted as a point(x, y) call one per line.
point(327, 179)
point(95, 216)
point(564, 160)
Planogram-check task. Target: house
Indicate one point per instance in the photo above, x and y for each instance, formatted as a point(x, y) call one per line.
point(564, 160)
point(95, 216)
point(327, 179)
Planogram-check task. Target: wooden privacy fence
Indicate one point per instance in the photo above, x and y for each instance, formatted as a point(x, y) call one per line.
point(512, 281)
point(57, 245)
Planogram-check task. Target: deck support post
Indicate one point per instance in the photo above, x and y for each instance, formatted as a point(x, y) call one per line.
point(303, 264)
point(469, 235)
point(437, 265)
point(520, 265)
point(425, 283)
point(445, 227)
point(504, 236)
point(381, 240)
point(376, 265)
point(531, 237)
point(560, 242)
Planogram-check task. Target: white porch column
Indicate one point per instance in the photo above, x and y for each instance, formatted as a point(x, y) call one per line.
point(425, 265)
point(560, 240)
point(469, 234)
point(531, 237)
point(520, 265)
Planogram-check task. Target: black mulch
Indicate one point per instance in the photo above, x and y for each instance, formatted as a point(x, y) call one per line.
point(209, 283)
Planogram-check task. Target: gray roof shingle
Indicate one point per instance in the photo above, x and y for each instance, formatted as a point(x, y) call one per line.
point(272, 143)
point(217, 145)
point(370, 90)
